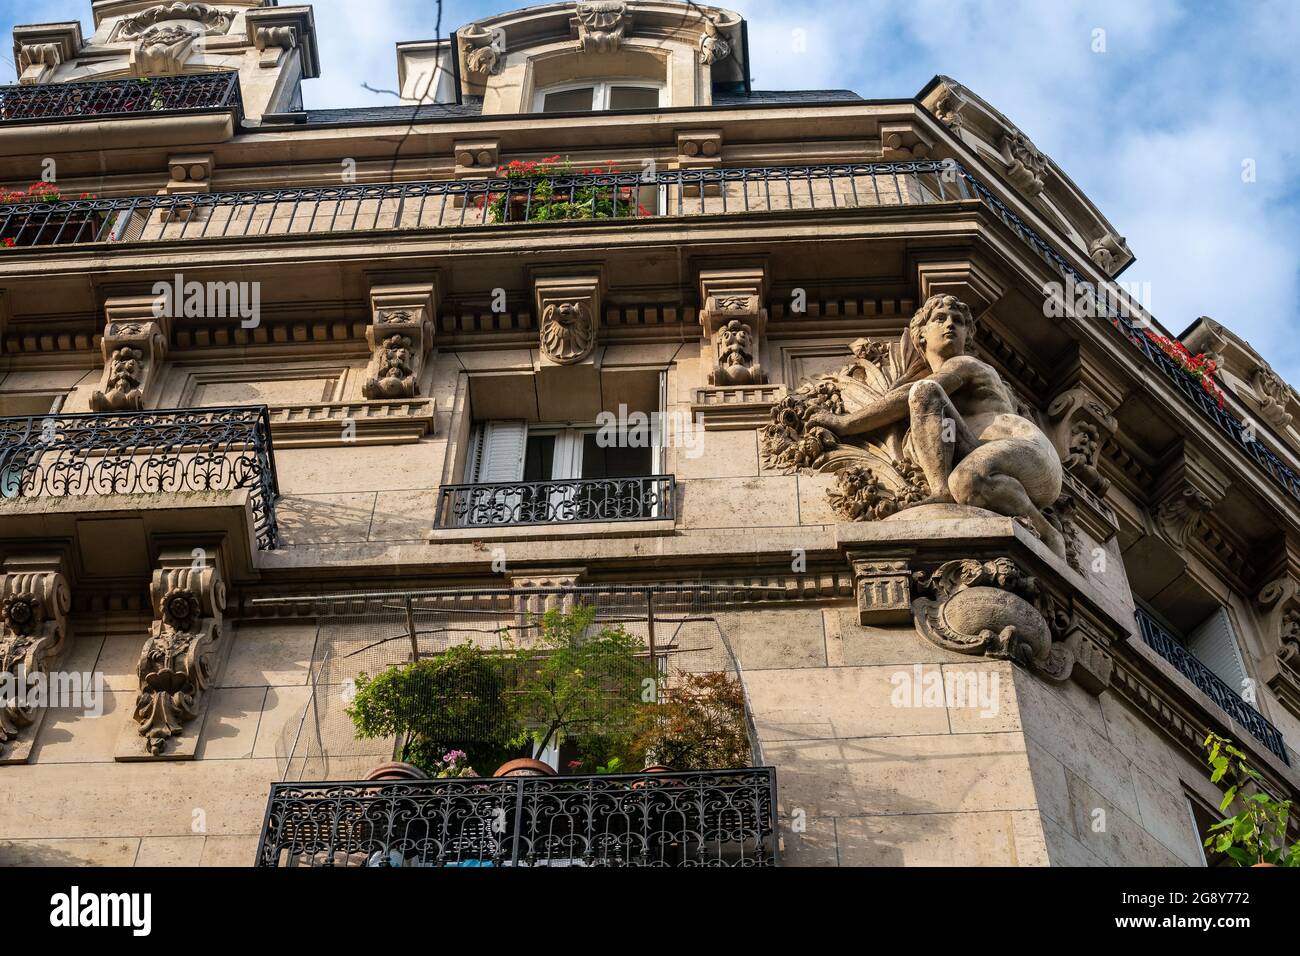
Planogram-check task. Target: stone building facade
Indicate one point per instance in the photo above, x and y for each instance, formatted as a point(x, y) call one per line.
point(252, 353)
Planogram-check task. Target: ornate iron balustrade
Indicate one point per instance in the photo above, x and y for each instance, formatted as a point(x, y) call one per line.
point(1214, 687)
point(196, 93)
point(560, 500)
point(710, 818)
point(149, 452)
point(315, 210)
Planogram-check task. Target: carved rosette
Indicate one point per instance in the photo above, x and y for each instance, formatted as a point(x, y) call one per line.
point(134, 347)
point(34, 604)
point(177, 663)
point(400, 337)
point(602, 25)
point(993, 609)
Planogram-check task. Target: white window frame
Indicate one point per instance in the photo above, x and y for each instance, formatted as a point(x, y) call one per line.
point(600, 92)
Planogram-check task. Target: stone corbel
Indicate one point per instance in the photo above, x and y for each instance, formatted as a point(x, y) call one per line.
point(602, 25)
point(180, 660)
point(1279, 607)
point(34, 604)
point(1026, 166)
point(714, 46)
point(1110, 253)
point(39, 50)
point(275, 31)
point(475, 159)
point(1188, 490)
point(135, 347)
point(966, 279)
point(400, 336)
point(883, 588)
point(733, 313)
point(1079, 423)
point(563, 599)
point(901, 142)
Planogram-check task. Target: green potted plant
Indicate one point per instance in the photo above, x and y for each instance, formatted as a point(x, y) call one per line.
point(577, 683)
point(540, 199)
point(697, 725)
point(452, 705)
point(1257, 834)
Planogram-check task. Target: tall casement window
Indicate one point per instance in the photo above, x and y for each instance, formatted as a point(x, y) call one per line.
point(597, 96)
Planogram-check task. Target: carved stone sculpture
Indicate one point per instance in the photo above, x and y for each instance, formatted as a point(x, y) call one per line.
point(34, 604)
point(713, 46)
point(568, 333)
point(988, 608)
point(601, 25)
point(177, 663)
point(134, 349)
point(162, 50)
point(1026, 166)
point(924, 422)
point(400, 336)
point(484, 50)
point(735, 363)
point(1109, 252)
point(1273, 395)
point(734, 318)
point(213, 20)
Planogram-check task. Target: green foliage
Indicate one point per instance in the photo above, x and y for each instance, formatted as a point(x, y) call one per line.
point(551, 203)
point(577, 684)
point(454, 701)
point(699, 725)
point(1257, 833)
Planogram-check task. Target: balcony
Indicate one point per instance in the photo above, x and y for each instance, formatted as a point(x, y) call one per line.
point(1168, 647)
point(564, 501)
point(203, 92)
point(169, 452)
point(721, 818)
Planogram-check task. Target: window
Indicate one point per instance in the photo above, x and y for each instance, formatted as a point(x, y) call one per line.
point(1214, 644)
point(516, 451)
point(604, 95)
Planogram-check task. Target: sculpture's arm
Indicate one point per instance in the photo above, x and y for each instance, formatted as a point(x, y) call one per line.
point(879, 412)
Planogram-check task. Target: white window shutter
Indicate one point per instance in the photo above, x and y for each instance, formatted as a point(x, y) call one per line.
point(501, 451)
point(1214, 644)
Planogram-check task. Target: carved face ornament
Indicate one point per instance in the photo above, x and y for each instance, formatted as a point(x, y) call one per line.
point(566, 331)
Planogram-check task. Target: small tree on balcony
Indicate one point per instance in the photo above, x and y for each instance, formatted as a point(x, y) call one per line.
point(1258, 833)
point(579, 684)
point(455, 701)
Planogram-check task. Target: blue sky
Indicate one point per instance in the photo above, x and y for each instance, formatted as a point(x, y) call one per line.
point(1155, 129)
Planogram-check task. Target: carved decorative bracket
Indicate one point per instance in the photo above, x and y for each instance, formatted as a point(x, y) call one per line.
point(482, 51)
point(135, 347)
point(734, 316)
point(40, 49)
point(1110, 252)
point(883, 587)
point(400, 336)
point(1026, 166)
point(1079, 424)
point(274, 31)
point(1189, 489)
point(1279, 604)
point(34, 604)
point(179, 661)
point(602, 25)
point(902, 142)
point(568, 317)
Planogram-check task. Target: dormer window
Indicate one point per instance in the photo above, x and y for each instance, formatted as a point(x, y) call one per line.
point(598, 96)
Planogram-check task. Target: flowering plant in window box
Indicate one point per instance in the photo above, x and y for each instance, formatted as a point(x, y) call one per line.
point(538, 197)
point(1199, 366)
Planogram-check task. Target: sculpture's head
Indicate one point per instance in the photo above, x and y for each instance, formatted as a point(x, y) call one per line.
point(942, 326)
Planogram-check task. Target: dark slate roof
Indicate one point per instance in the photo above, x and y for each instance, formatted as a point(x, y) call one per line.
point(379, 115)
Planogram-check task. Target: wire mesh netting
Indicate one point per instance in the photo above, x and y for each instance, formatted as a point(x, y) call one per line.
point(476, 652)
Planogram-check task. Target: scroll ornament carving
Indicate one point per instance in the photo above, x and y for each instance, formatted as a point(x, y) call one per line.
point(1026, 166)
point(601, 25)
point(132, 351)
point(568, 333)
point(175, 666)
point(735, 364)
point(1180, 515)
point(990, 608)
point(33, 626)
point(947, 110)
point(713, 46)
point(921, 422)
point(1108, 251)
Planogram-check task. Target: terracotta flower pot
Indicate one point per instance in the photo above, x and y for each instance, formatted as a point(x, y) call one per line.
point(396, 770)
point(655, 768)
point(1253, 865)
point(524, 767)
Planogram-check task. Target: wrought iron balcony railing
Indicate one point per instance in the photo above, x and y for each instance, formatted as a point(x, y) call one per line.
point(712, 818)
point(557, 501)
point(143, 453)
point(317, 210)
point(1214, 687)
point(95, 99)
